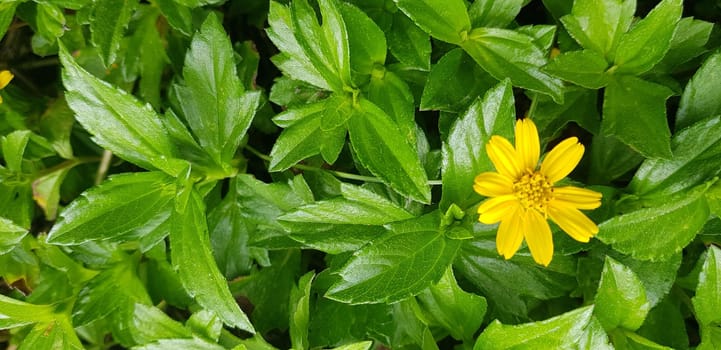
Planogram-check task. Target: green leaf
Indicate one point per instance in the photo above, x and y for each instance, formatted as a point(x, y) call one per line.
point(707, 302)
point(374, 137)
point(107, 26)
point(657, 277)
point(512, 286)
point(510, 54)
point(333, 127)
point(688, 42)
point(446, 20)
point(117, 120)
point(50, 21)
point(598, 25)
point(392, 95)
point(288, 92)
point(151, 324)
point(611, 159)
point(408, 43)
point(675, 223)
point(586, 68)
point(413, 255)
point(193, 259)
point(695, 160)
point(464, 152)
point(454, 82)
point(17, 313)
point(46, 190)
point(629, 340)
point(343, 224)
point(13, 149)
point(579, 106)
point(7, 13)
point(698, 101)
point(647, 130)
point(205, 324)
point(229, 236)
point(179, 17)
point(621, 298)
point(665, 324)
point(198, 3)
point(57, 334)
point(494, 13)
point(364, 345)
point(459, 312)
point(269, 290)
point(173, 344)
point(649, 39)
point(293, 61)
point(300, 311)
point(576, 329)
point(211, 96)
point(147, 47)
point(10, 235)
point(57, 125)
point(326, 45)
point(711, 338)
point(366, 41)
point(299, 139)
point(126, 207)
point(115, 290)
point(16, 203)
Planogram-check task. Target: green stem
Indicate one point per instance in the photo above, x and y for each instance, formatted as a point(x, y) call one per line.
point(335, 173)
point(532, 108)
point(103, 167)
point(67, 164)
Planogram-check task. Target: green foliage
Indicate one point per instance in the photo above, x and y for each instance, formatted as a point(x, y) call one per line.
point(266, 174)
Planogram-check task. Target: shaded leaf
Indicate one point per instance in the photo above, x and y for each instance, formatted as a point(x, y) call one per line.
point(634, 110)
point(698, 101)
point(107, 26)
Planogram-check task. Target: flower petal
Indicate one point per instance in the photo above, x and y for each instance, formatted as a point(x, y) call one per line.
point(491, 184)
point(527, 144)
point(576, 197)
point(5, 77)
point(510, 233)
point(539, 238)
point(573, 222)
point(494, 209)
point(562, 159)
point(504, 157)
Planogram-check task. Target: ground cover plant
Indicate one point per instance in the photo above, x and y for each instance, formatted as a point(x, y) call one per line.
point(360, 174)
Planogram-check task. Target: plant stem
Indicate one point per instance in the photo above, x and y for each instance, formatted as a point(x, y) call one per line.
point(103, 167)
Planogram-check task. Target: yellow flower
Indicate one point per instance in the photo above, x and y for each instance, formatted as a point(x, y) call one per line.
point(522, 195)
point(5, 77)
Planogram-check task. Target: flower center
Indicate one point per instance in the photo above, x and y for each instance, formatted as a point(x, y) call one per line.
point(533, 191)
